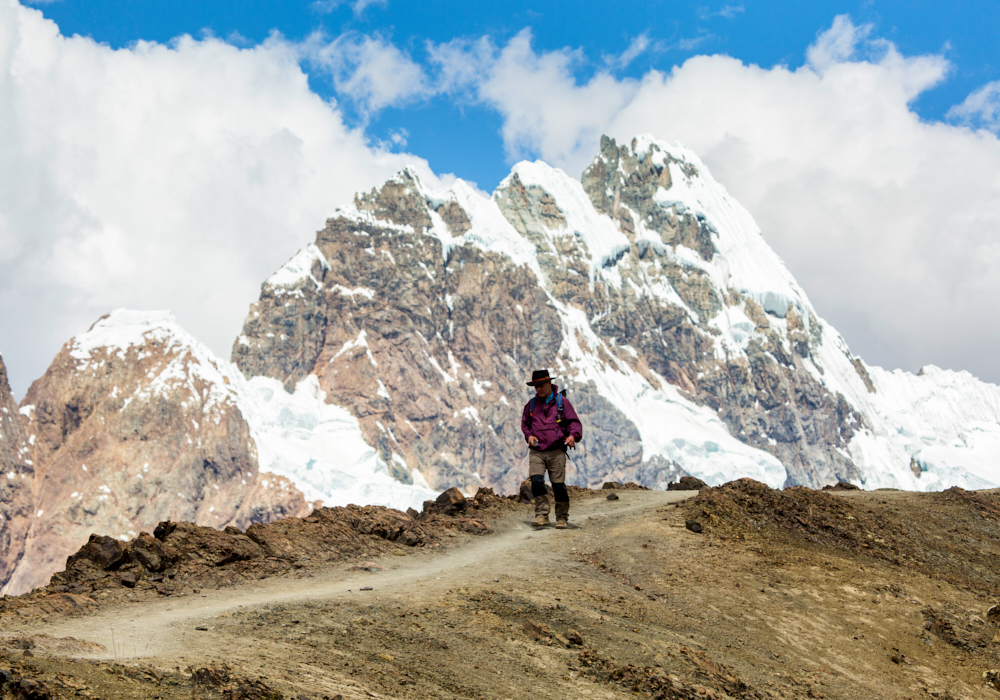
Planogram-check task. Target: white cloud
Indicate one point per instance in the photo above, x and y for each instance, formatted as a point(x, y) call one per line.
point(359, 6)
point(638, 46)
point(368, 69)
point(157, 176)
point(325, 7)
point(891, 223)
point(726, 12)
point(982, 108)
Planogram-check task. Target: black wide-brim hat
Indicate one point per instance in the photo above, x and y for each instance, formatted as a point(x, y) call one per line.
point(539, 376)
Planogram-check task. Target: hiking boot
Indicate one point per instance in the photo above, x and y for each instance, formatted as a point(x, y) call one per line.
point(562, 515)
point(541, 511)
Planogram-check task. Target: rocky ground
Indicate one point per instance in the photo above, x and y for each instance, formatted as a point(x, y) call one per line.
point(737, 592)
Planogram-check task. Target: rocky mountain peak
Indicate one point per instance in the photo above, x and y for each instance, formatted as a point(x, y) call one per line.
point(386, 361)
point(136, 422)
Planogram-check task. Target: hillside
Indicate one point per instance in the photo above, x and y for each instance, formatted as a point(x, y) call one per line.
point(794, 594)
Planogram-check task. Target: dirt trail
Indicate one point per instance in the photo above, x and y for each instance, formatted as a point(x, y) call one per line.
point(164, 629)
point(799, 595)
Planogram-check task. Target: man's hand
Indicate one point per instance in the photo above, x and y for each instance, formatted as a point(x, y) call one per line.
point(571, 442)
point(533, 441)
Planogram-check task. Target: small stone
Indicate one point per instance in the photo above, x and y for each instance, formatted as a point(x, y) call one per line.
point(386, 657)
point(993, 614)
point(201, 628)
point(536, 631)
point(612, 496)
point(574, 637)
point(127, 580)
point(693, 525)
point(365, 588)
point(563, 642)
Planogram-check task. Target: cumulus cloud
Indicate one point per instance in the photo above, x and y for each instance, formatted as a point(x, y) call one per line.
point(369, 70)
point(891, 223)
point(981, 108)
point(157, 176)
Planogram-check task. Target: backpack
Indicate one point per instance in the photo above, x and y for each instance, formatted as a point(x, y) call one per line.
point(560, 416)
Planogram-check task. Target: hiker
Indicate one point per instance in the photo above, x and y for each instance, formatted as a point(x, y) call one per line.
point(550, 426)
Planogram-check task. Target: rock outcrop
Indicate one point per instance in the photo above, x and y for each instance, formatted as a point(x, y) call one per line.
point(17, 479)
point(131, 425)
point(427, 342)
point(765, 394)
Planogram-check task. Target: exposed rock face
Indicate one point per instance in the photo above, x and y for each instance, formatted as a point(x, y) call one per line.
point(385, 362)
point(764, 394)
point(427, 344)
point(17, 478)
point(132, 425)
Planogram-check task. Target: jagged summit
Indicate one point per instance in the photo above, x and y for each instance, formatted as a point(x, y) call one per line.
point(671, 307)
point(386, 360)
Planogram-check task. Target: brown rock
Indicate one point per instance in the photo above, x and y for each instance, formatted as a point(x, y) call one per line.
point(536, 630)
point(117, 437)
point(687, 483)
point(612, 485)
point(16, 498)
point(612, 496)
point(452, 501)
point(102, 551)
point(147, 551)
point(574, 637)
point(693, 525)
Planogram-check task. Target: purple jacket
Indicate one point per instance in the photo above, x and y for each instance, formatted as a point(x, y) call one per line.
point(544, 423)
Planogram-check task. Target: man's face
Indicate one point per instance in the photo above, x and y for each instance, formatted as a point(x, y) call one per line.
point(544, 389)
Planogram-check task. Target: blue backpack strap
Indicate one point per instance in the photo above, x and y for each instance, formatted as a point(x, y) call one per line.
point(531, 410)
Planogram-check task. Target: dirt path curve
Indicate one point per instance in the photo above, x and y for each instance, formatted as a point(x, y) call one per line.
point(166, 628)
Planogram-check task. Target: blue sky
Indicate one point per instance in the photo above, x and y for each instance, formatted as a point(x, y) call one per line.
point(172, 155)
point(463, 138)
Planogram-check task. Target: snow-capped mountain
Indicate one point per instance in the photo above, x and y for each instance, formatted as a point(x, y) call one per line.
point(386, 360)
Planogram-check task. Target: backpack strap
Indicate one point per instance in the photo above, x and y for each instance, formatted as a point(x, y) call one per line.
point(531, 410)
point(561, 417)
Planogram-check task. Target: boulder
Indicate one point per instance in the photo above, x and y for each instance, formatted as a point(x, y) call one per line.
point(102, 551)
point(147, 551)
point(687, 483)
point(452, 501)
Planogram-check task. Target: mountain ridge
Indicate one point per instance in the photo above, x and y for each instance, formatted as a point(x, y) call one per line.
point(385, 361)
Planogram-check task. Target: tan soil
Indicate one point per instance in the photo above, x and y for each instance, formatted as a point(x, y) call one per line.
point(748, 608)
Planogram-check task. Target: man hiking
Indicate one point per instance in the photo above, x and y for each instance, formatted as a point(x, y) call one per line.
point(550, 426)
